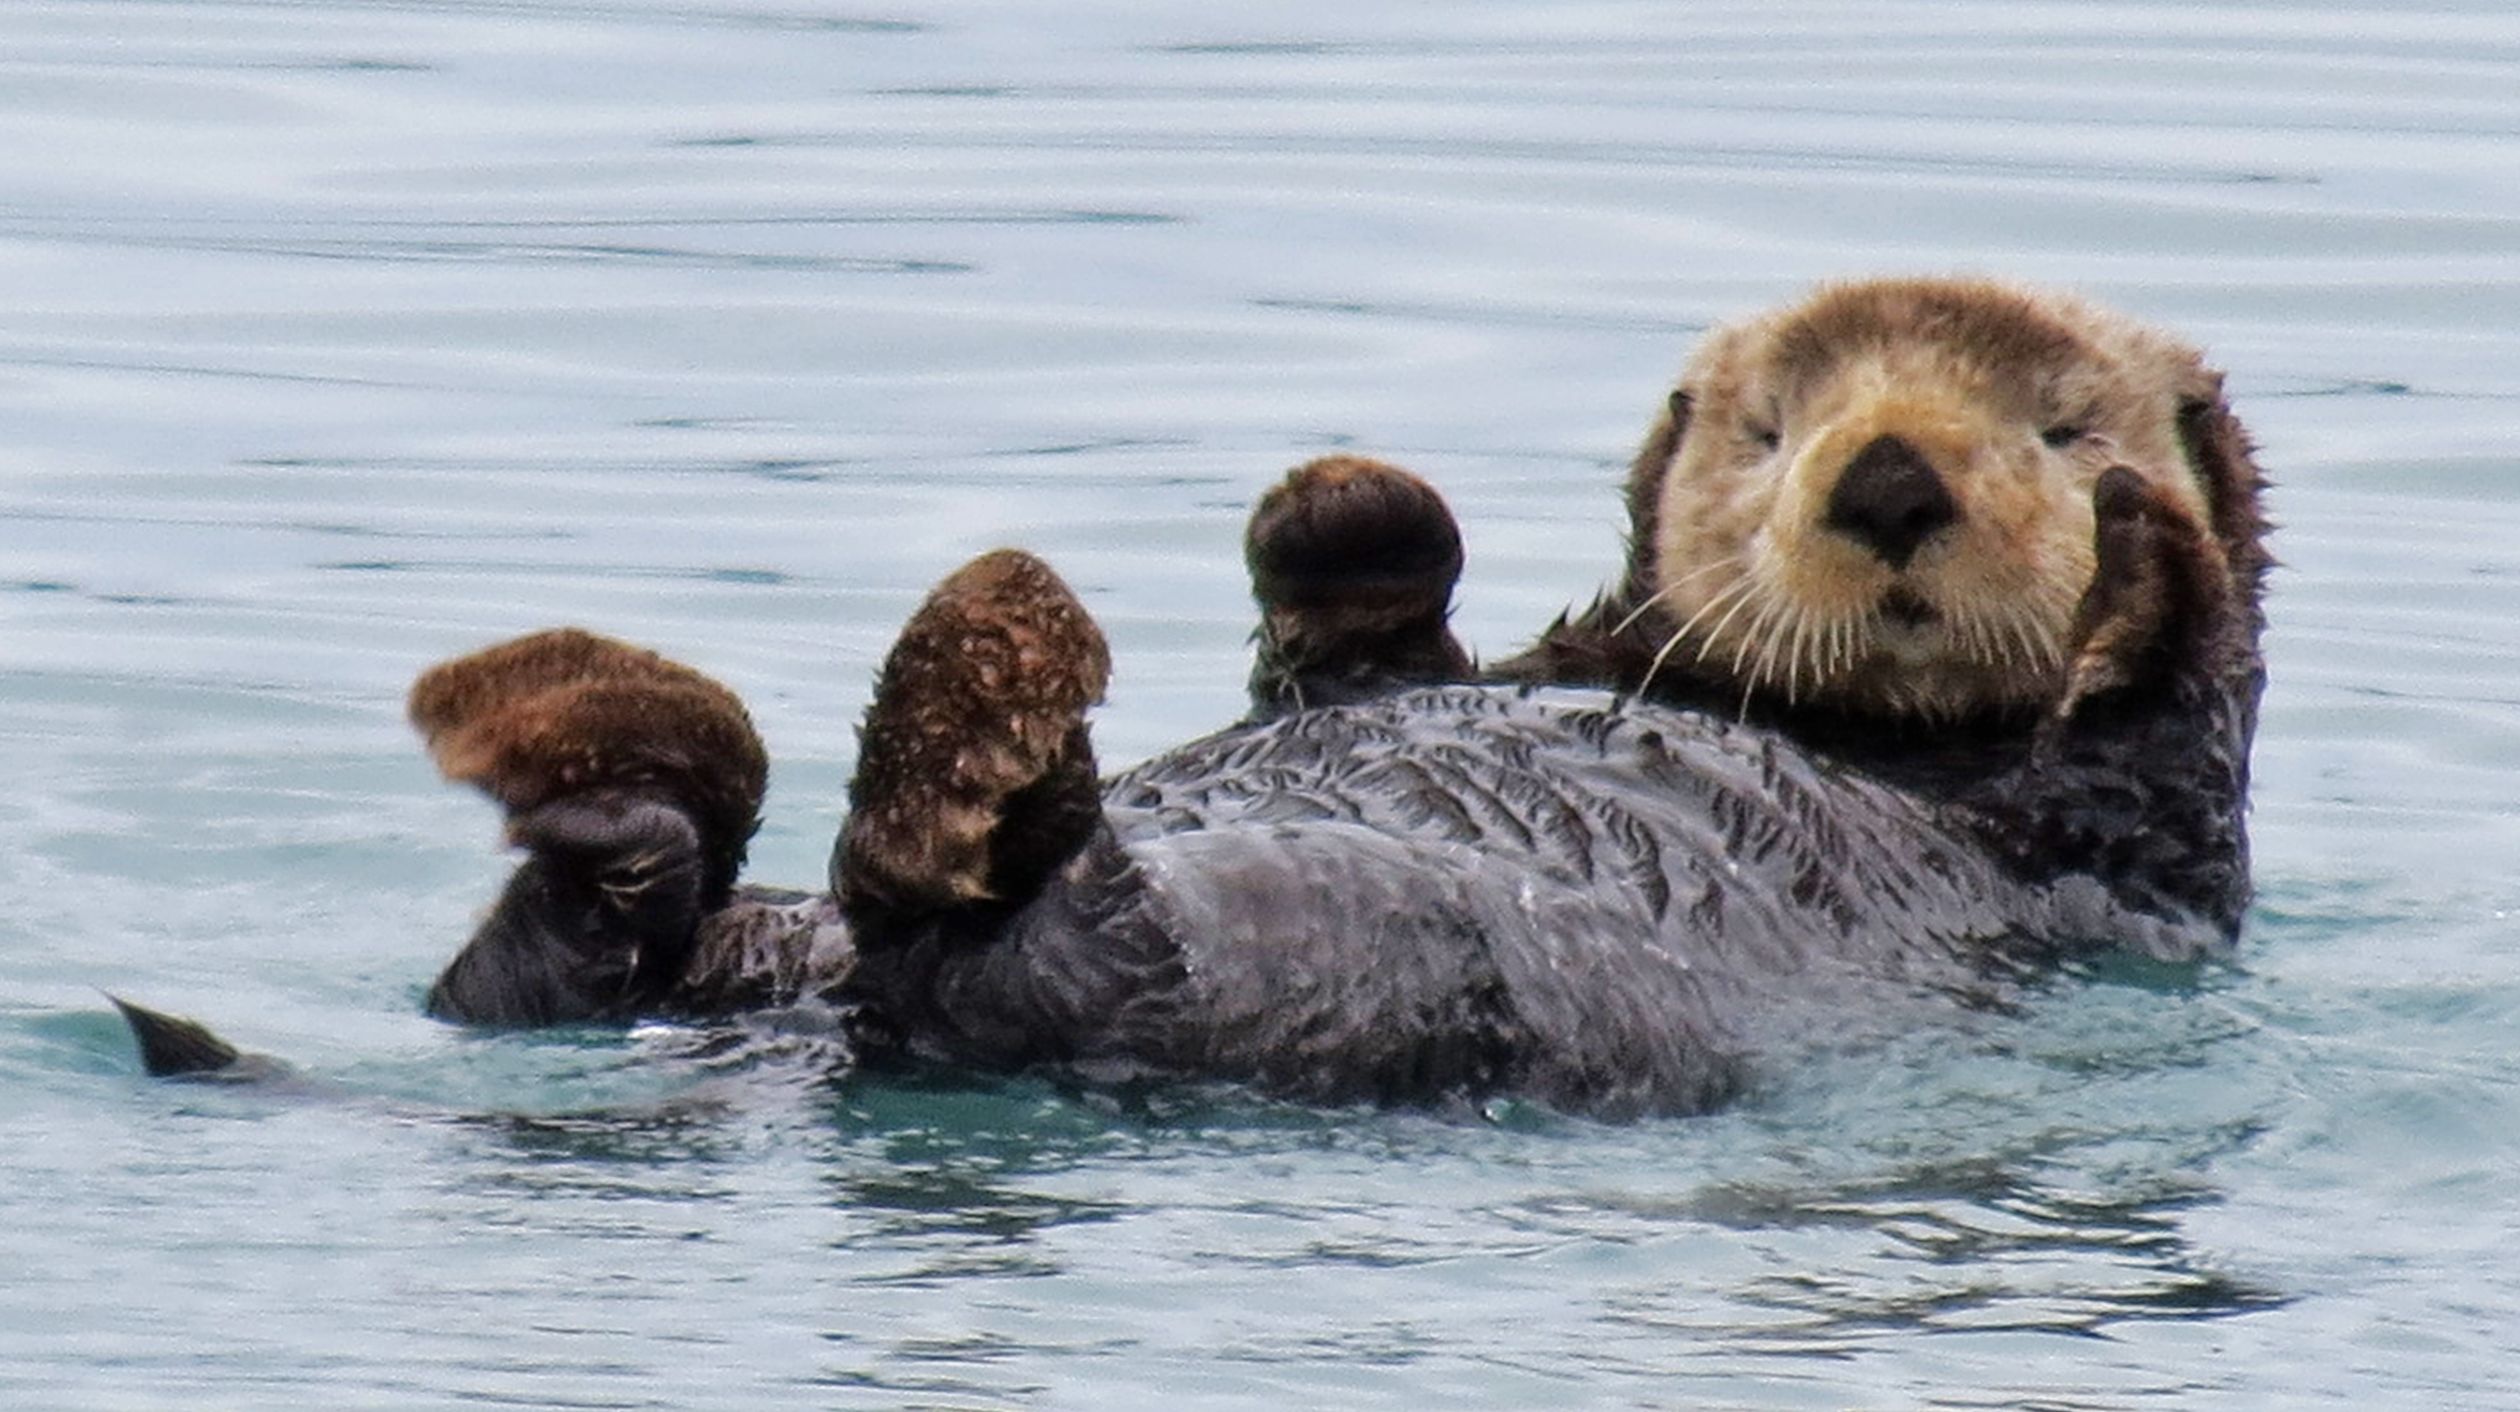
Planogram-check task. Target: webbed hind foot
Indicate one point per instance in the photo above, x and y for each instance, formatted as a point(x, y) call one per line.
point(633, 782)
point(1353, 563)
point(975, 773)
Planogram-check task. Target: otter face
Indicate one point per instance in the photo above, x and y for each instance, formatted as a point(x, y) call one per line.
point(1880, 500)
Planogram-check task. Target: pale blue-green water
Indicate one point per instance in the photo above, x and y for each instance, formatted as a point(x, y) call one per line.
point(337, 337)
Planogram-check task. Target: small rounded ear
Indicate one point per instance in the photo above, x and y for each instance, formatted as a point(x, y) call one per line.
point(1645, 488)
point(2224, 462)
point(566, 713)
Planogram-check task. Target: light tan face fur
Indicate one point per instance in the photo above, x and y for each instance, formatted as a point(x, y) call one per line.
point(2017, 401)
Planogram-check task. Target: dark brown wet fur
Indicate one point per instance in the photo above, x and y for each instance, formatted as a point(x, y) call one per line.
point(1353, 563)
point(174, 1047)
point(1609, 643)
point(2171, 599)
point(565, 713)
point(2139, 775)
point(2154, 597)
point(975, 776)
point(634, 784)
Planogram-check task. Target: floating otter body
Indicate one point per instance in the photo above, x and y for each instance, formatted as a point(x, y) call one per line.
point(1863, 747)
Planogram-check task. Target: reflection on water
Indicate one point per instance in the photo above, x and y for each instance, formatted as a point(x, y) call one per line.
point(2001, 1253)
point(343, 337)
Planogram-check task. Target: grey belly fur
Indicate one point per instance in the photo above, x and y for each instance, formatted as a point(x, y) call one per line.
point(1607, 907)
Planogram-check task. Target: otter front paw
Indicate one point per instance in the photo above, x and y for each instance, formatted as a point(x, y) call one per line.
point(2159, 590)
point(1353, 564)
point(975, 775)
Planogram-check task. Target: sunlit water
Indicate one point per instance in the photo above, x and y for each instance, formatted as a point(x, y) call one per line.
point(339, 337)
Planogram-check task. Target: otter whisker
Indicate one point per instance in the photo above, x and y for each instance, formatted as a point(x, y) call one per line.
point(1994, 646)
point(1769, 630)
point(1767, 633)
point(1738, 592)
point(1741, 653)
point(1792, 636)
point(1737, 595)
point(1749, 636)
point(2036, 645)
point(1829, 656)
point(1750, 633)
point(1806, 642)
point(1733, 593)
point(1658, 595)
point(1981, 641)
point(2004, 629)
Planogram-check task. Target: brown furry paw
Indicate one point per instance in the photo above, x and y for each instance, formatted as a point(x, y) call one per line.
point(2160, 584)
point(565, 713)
point(975, 776)
point(1353, 563)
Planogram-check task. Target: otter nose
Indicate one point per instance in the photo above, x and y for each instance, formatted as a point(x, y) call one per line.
point(1889, 500)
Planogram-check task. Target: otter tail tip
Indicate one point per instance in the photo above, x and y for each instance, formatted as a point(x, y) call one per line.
point(171, 1046)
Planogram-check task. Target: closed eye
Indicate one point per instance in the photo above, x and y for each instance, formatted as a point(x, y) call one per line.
point(2064, 434)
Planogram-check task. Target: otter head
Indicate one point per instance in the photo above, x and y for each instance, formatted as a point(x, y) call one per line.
point(1880, 500)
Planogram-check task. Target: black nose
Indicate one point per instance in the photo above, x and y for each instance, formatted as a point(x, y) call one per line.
point(1890, 500)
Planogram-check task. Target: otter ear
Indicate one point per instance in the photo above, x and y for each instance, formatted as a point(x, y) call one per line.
point(1645, 486)
point(566, 714)
point(2158, 588)
point(2225, 465)
point(975, 776)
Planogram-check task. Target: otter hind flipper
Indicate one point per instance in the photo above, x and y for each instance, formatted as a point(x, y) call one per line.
point(565, 712)
point(174, 1047)
point(1353, 563)
point(975, 775)
point(634, 783)
point(597, 923)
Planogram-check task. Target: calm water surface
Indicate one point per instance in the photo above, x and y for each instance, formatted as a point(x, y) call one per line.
point(337, 337)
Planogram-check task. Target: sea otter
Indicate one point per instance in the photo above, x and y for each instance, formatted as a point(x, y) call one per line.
point(1936, 660)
